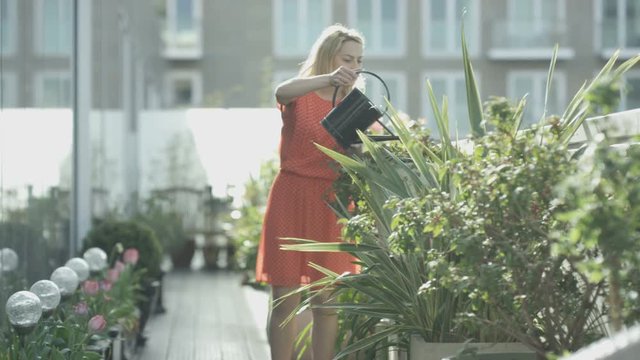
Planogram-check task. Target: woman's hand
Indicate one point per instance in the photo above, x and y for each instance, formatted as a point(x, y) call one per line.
point(343, 76)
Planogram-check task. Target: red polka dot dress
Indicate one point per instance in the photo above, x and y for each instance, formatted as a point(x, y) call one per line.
point(296, 206)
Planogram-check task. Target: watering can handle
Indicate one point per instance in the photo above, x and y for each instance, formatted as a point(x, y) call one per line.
point(386, 88)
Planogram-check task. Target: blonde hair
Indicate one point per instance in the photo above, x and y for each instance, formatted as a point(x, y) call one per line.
point(323, 51)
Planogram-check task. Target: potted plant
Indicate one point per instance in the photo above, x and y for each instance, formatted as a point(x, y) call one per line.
point(168, 228)
point(136, 235)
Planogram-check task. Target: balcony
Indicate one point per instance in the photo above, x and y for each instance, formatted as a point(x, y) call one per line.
point(182, 41)
point(528, 40)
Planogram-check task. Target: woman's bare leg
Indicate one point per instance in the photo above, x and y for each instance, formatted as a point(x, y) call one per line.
point(282, 338)
point(324, 330)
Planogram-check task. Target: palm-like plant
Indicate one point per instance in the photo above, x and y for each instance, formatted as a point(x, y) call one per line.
point(400, 251)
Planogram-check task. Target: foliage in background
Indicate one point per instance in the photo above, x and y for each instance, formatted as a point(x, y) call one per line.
point(130, 234)
point(167, 225)
point(247, 226)
point(601, 206)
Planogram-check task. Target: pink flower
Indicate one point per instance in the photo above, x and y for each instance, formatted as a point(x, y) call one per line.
point(97, 323)
point(131, 256)
point(105, 285)
point(113, 275)
point(90, 287)
point(81, 308)
point(120, 266)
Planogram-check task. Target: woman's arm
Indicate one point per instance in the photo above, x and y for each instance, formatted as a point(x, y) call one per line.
point(292, 88)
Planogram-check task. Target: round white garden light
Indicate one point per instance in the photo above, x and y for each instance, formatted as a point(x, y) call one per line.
point(23, 310)
point(96, 258)
point(80, 266)
point(66, 279)
point(8, 260)
point(48, 293)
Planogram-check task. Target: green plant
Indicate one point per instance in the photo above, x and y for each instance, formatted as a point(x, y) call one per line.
point(167, 225)
point(601, 206)
point(431, 216)
point(129, 234)
point(247, 226)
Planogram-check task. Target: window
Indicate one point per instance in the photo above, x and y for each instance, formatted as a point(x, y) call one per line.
point(382, 22)
point(297, 25)
point(53, 34)
point(535, 22)
point(53, 89)
point(533, 84)
point(396, 82)
point(452, 85)
point(8, 28)
point(443, 23)
point(183, 33)
point(8, 91)
point(184, 89)
point(620, 23)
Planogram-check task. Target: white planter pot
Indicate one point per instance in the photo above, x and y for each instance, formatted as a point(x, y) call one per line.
point(422, 350)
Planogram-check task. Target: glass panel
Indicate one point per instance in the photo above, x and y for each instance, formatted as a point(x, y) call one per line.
point(316, 21)
point(522, 9)
point(438, 25)
point(6, 24)
point(56, 25)
point(183, 92)
point(365, 21)
point(633, 23)
point(290, 30)
point(470, 24)
point(35, 144)
point(633, 94)
point(524, 85)
point(390, 26)
point(610, 24)
point(184, 15)
point(460, 119)
point(56, 92)
point(550, 10)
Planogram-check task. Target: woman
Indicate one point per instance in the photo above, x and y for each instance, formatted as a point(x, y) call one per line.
point(296, 206)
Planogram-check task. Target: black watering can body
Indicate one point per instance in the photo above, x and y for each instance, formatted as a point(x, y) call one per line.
point(354, 112)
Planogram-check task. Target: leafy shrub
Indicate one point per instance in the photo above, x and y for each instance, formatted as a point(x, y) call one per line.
point(131, 234)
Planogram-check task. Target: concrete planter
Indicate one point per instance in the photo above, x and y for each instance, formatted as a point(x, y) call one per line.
point(422, 350)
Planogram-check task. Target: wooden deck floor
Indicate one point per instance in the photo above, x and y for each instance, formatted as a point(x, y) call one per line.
point(209, 316)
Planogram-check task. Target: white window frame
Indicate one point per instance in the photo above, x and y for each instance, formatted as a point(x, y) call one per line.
point(175, 45)
point(450, 77)
point(558, 83)
point(373, 40)
point(302, 47)
point(38, 40)
point(454, 44)
point(41, 77)
point(605, 52)
point(12, 28)
point(194, 77)
point(8, 90)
